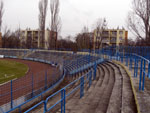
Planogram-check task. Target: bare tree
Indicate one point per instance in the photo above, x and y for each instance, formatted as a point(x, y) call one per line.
point(1, 13)
point(55, 25)
point(7, 32)
point(100, 26)
point(10, 39)
point(139, 19)
point(42, 19)
point(83, 39)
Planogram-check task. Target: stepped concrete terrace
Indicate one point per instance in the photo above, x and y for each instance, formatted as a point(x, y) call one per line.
point(110, 92)
point(143, 97)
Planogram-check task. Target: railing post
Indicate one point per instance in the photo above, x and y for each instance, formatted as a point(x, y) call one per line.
point(116, 55)
point(126, 59)
point(95, 67)
point(45, 107)
point(32, 86)
point(45, 79)
point(141, 68)
point(122, 57)
point(90, 78)
point(81, 87)
point(135, 67)
point(130, 67)
point(63, 92)
point(89, 60)
point(148, 69)
point(11, 86)
point(144, 75)
point(64, 99)
point(19, 109)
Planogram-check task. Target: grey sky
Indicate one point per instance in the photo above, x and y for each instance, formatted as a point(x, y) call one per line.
point(74, 14)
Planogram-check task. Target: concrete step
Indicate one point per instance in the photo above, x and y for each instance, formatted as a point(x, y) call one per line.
point(92, 98)
point(115, 102)
point(127, 93)
point(110, 93)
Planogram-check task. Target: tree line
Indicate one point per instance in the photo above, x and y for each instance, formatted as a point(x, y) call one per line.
point(138, 22)
point(11, 39)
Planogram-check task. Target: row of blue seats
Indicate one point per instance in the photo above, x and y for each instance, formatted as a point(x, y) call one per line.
point(78, 63)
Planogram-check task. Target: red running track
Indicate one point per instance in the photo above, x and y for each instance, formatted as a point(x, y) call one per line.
point(23, 85)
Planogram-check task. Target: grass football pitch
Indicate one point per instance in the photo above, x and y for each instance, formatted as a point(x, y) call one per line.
point(10, 70)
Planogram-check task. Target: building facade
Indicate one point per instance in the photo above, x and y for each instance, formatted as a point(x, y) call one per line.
point(110, 37)
point(32, 39)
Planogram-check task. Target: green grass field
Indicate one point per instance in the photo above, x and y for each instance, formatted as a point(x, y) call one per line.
point(10, 70)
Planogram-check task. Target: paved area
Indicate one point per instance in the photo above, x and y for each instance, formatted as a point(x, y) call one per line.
point(142, 96)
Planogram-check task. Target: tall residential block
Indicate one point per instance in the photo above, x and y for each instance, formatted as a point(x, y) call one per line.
point(32, 39)
point(110, 37)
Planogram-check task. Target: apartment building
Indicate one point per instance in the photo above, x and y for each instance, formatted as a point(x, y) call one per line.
point(111, 37)
point(32, 38)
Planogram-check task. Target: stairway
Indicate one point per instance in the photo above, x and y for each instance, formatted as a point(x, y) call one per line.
point(111, 92)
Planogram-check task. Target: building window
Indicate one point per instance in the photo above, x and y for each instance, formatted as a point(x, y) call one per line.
point(114, 32)
point(120, 38)
point(121, 32)
point(105, 32)
point(113, 40)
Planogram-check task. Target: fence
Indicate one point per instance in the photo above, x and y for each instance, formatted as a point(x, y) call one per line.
point(141, 51)
point(137, 58)
point(23, 89)
point(84, 81)
point(80, 63)
point(136, 63)
point(34, 86)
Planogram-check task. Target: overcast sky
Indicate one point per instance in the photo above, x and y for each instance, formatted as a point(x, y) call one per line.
point(74, 14)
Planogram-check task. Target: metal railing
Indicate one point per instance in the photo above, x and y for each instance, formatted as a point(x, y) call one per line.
point(84, 79)
point(46, 85)
point(32, 90)
point(136, 63)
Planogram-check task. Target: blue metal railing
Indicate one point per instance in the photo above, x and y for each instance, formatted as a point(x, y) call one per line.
point(34, 96)
point(39, 95)
point(135, 62)
point(87, 78)
point(77, 68)
point(134, 57)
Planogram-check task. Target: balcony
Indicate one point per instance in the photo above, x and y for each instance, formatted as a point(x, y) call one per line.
point(105, 35)
point(105, 40)
point(113, 40)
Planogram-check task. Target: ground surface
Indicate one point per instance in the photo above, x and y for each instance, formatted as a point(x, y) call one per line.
point(11, 69)
point(111, 92)
point(143, 97)
point(23, 85)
